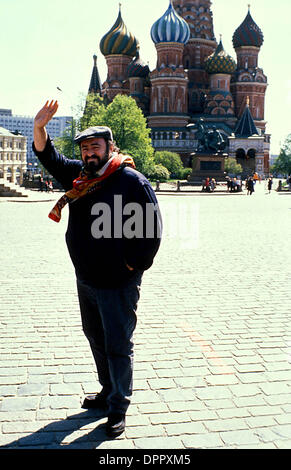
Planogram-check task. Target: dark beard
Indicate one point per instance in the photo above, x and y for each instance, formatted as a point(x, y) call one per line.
point(93, 167)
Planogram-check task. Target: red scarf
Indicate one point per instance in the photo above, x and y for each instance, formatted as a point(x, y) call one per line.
point(84, 185)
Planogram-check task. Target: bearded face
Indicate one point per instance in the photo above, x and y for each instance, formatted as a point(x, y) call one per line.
point(95, 153)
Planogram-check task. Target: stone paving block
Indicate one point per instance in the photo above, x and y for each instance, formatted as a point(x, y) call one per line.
point(60, 402)
point(117, 444)
point(190, 382)
point(51, 415)
point(202, 415)
point(153, 407)
point(278, 399)
point(176, 395)
point(158, 384)
point(19, 404)
point(284, 419)
point(241, 402)
point(180, 429)
point(8, 416)
point(221, 379)
point(33, 390)
point(137, 420)
point(135, 432)
point(186, 405)
point(23, 427)
point(231, 424)
point(8, 390)
point(148, 396)
point(21, 379)
point(245, 390)
point(164, 418)
point(261, 421)
point(203, 441)
point(66, 389)
point(235, 438)
point(265, 410)
point(253, 378)
point(213, 393)
point(159, 443)
point(78, 378)
point(45, 379)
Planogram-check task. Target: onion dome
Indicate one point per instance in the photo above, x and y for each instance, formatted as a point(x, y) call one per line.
point(220, 61)
point(137, 68)
point(170, 28)
point(119, 40)
point(248, 33)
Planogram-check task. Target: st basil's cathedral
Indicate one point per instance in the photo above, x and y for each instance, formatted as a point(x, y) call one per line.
point(195, 79)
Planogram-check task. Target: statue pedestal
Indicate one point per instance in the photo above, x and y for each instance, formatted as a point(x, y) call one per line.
point(207, 165)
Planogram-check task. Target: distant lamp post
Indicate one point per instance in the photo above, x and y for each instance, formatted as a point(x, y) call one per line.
point(72, 128)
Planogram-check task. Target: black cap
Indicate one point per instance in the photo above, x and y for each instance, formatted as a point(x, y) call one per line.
point(97, 131)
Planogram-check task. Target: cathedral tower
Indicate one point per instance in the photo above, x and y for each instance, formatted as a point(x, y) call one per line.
point(95, 82)
point(201, 45)
point(169, 103)
point(249, 81)
point(118, 46)
point(219, 101)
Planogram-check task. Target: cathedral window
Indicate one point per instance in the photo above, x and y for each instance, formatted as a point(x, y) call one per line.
point(251, 153)
point(240, 153)
point(166, 105)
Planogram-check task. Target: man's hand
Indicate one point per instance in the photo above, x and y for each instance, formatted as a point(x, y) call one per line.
point(46, 114)
point(40, 121)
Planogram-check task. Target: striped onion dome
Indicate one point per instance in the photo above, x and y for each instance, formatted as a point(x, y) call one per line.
point(119, 40)
point(137, 68)
point(248, 33)
point(220, 61)
point(170, 28)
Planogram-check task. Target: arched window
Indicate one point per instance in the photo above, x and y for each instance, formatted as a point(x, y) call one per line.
point(166, 105)
point(240, 153)
point(251, 153)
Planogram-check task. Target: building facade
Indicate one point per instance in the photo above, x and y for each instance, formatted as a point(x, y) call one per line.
point(13, 163)
point(24, 125)
point(194, 78)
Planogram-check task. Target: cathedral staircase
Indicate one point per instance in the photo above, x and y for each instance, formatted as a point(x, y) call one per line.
point(11, 190)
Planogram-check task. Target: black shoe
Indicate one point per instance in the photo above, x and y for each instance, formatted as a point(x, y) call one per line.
point(97, 401)
point(115, 424)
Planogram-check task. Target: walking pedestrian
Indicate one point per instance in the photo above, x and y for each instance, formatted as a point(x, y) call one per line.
point(250, 186)
point(40, 183)
point(109, 262)
point(270, 184)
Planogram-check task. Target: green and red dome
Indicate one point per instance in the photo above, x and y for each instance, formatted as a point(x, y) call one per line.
point(220, 62)
point(248, 34)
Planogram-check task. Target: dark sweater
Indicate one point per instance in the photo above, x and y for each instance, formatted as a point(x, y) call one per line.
point(102, 261)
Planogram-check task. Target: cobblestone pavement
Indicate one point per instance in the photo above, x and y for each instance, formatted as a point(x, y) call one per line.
point(212, 345)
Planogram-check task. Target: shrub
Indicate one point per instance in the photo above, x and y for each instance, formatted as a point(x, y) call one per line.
point(158, 173)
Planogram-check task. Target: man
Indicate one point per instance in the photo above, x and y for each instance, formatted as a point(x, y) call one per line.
point(109, 252)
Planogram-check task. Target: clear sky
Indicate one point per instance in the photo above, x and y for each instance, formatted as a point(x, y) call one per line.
point(50, 44)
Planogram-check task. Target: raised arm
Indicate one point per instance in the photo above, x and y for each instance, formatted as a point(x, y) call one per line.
point(40, 121)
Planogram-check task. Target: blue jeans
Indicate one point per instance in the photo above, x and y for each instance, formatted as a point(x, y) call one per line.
point(109, 320)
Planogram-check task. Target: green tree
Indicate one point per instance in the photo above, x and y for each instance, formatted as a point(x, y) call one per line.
point(282, 164)
point(158, 172)
point(94, 111)
point(65, 144)
point(232, 167)
point(129, 129)
point(172, 161)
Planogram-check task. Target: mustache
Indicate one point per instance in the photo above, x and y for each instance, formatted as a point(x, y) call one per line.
point(91, 156)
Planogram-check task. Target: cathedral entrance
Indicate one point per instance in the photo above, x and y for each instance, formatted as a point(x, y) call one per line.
point(247, 160)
